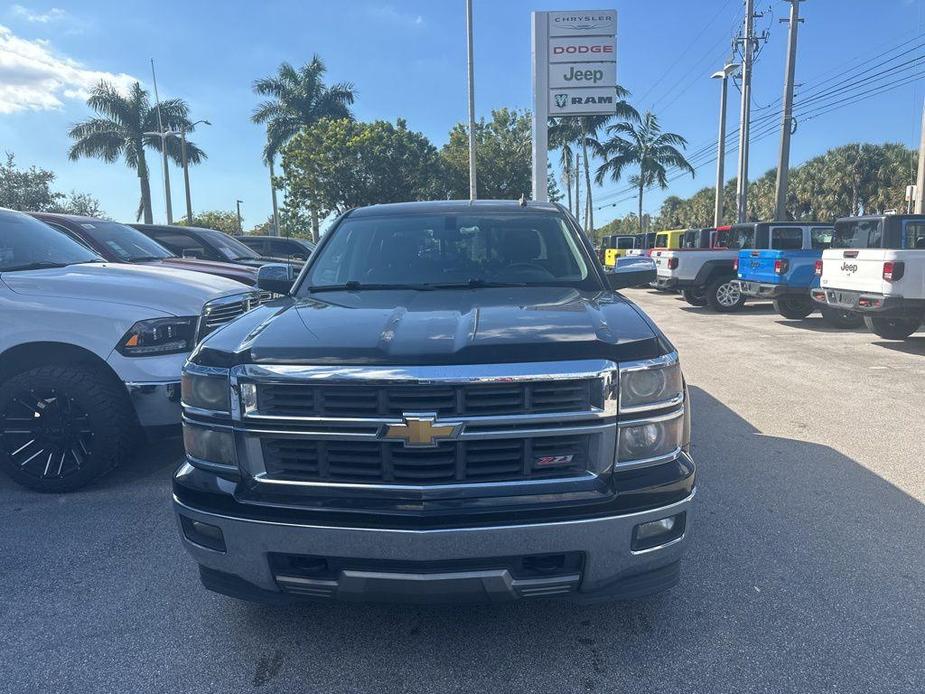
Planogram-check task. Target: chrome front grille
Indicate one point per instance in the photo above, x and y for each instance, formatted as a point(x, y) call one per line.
point(345, 400)
point(449, 462)
point(219, 312)
point(361, 425)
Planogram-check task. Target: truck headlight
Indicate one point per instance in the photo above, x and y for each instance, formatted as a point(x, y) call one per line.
point(651, 384)
point(650, 439)
point(210, 448)
point(159, 336)
point(206, 390)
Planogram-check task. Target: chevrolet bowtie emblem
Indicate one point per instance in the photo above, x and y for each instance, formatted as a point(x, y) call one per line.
point(421, 431)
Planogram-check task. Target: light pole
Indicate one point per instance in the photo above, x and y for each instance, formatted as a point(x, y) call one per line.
point(723, 74)
point(163, 135)
point(473, 189)
point(189, 202)
point(238, 204)
point(275, 229)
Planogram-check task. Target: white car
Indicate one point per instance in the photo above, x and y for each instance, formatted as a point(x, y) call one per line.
point(90, 351)
point(876, 268)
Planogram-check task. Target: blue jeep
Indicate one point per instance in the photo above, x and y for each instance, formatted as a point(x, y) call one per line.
point(786, 271)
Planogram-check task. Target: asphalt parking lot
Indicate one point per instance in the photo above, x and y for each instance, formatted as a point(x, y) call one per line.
point(806, 572)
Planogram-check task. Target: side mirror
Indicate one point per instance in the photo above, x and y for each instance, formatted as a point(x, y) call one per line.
point(275, 277)
point(637, 271)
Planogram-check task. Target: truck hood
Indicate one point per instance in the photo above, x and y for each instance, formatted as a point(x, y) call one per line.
point(160, 288)
point(240, 273)
point(437, 327)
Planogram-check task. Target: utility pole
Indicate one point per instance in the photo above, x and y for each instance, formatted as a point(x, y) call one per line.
point(786, 127)
point(745, 115)
point(723, 74)
point(160, 127)
point(920, 179)
point(238, 204)
point(189, 201)
point(473, 190)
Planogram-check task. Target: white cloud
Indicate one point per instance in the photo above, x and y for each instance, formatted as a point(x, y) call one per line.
point(55, 14)
point(387, 13)
point(34, 77)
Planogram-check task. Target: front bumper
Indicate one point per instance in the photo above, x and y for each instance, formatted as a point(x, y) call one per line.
point(156, 404)
point(397, 565)
point(869, 303)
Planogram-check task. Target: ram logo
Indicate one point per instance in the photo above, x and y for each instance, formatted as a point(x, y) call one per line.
point(561, 100)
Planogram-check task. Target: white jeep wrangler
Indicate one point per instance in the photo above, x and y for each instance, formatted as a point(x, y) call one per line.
point(91, 351)
point(876, 268)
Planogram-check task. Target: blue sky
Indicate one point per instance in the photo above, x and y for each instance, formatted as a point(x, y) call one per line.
point(408, 59)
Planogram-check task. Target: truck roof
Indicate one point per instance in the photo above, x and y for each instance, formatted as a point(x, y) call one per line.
point(453, 207)
point(864, 217)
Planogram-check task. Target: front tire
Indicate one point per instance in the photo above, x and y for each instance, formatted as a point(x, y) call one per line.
point(61, 427)
point(695, 297)
point(794, 307)
point(892, 328)
point(837, 318)
point(723, 296)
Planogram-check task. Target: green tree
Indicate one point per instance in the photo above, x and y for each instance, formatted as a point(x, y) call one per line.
point(643, 145)
point(118, 130)
point(298, 97)
point(552, 186)
point(340, 164)
point(220, 220)
point(502, 156)
point(30, 190)
point(26, 189)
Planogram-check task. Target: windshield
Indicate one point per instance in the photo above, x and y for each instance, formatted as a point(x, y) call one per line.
point(229, 247)
point(439, 250)
point(858, 233)
point(26, 243)
point(127, 244)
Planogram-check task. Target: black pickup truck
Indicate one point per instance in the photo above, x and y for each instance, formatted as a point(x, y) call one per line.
point(452, 402)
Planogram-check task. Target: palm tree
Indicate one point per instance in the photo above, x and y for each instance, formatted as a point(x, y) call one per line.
point(296, 98)
point(583, 131)
point(643, 145)
point(119, 130)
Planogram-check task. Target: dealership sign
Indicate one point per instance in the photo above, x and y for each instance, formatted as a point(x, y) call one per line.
point(574, 73)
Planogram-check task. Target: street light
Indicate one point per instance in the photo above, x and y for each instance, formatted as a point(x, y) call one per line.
point(238, 204)
point(723, 74)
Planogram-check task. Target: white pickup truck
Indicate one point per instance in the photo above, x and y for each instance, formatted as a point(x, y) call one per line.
point(704, 273)
point(91, 351)
point(876, 268)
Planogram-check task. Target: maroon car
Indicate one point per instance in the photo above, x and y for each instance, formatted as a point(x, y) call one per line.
point(119, 243)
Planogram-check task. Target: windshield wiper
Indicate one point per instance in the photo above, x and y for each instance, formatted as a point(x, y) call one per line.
point(477, 283)
point(44, 265)
point(353, 285)
point(144, 258)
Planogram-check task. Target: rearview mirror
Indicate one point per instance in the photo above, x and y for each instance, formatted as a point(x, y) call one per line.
point(275, 277)
point(193, 252)
point(632, 271)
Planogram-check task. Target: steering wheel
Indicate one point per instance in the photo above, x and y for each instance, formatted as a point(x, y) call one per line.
point(531, 267)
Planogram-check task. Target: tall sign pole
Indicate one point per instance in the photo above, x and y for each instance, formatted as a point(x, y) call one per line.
point(746, 112)
point(786, 126)
point(574, 74)
point(473, 194)
point(539, 48)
